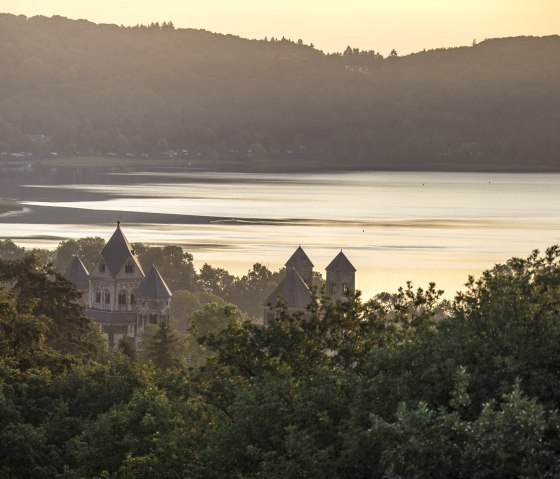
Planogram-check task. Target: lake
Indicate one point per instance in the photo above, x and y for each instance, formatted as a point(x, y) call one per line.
point(393, 227)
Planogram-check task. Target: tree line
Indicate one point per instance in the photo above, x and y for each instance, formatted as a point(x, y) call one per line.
point(402, 385)
point(275, 104)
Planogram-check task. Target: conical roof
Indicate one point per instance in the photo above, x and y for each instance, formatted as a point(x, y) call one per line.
point(299, 260)
point(117, 251)
point(77, 273)
point(341, 263)
point(153, 286)
point(293, 289)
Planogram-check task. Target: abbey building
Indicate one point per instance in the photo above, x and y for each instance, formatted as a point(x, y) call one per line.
point(119, 297)
point(122, 299)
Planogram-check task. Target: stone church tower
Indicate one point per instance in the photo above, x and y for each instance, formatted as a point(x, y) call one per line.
point(341, 277)
point(152, 300)
point(121, 299)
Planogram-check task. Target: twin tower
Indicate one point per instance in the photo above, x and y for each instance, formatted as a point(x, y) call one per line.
point(294, 288)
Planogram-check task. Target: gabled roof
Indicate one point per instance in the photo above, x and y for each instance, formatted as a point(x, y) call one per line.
point(341, 263)
point(153, 286)
point(77, 273)
point(299, 260)
point(117, 251)
point(293, 289)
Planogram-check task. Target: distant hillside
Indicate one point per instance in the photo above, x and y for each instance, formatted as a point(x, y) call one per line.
point(98, 89)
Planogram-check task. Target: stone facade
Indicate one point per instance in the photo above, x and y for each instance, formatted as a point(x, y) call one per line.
point(121, 299)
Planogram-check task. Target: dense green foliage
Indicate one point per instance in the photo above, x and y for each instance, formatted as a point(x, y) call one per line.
point(403, 385)
point(275, 104)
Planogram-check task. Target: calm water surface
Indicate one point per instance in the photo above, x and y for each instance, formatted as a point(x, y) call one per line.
point(394, 227)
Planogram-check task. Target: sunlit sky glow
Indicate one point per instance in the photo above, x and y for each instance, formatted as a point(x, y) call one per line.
point(331, 25)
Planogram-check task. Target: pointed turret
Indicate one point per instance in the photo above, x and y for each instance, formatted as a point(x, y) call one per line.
point(341, 263)
point(302, 264)
point(292, 289)
point(341, 277)
point(77, 273)
point(153, 286)
point(152, 300)
point(115, 254)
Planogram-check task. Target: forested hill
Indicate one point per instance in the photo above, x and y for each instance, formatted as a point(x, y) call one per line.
point(99, 89)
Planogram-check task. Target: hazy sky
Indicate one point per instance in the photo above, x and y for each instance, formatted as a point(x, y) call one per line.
point(381, 25)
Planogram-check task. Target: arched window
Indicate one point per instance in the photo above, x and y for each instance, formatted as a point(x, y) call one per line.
point(122, 298)
point(98, 297)
point(107, 297)
point(129, 267)
point(102, 266)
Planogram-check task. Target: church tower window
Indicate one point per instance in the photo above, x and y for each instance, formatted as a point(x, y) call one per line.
point(122, 298)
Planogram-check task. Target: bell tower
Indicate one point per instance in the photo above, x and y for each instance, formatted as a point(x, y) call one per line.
point(341, 277)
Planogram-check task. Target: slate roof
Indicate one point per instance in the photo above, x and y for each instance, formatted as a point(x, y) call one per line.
point(299, 260)
point(293, 289)
point(117, 251)
point(77, 273)
point(153, 286)
point(341, 263)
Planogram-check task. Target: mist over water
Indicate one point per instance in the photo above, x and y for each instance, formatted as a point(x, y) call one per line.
point(394, 227)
